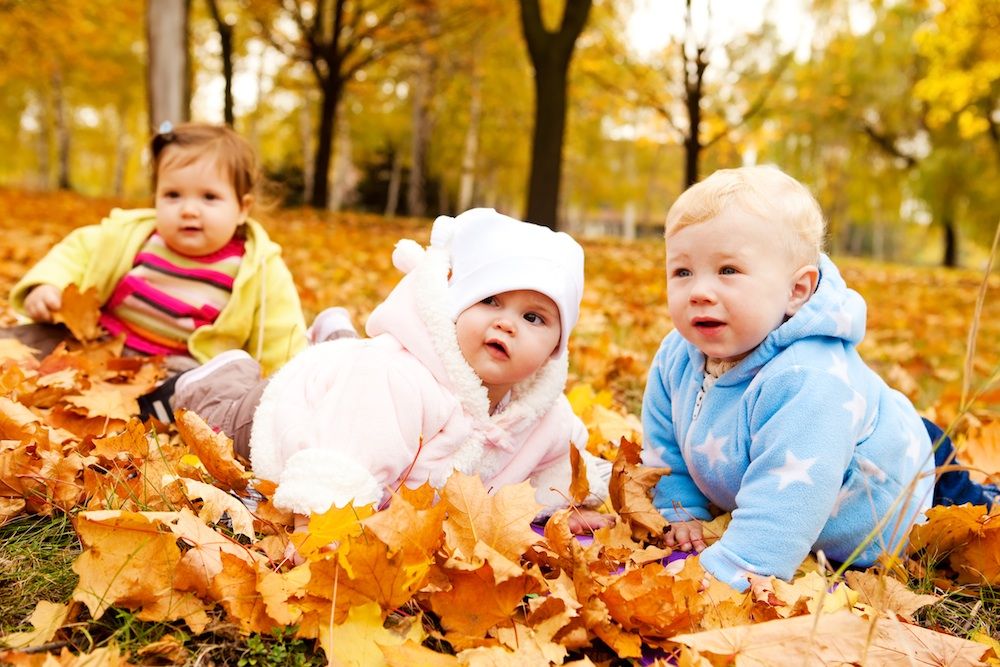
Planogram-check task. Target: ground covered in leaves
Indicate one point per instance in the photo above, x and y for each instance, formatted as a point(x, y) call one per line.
point(124, 542)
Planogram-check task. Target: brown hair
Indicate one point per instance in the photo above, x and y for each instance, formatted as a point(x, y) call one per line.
point(232, 152)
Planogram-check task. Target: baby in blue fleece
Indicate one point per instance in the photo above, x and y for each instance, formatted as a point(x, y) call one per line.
point(758, 400)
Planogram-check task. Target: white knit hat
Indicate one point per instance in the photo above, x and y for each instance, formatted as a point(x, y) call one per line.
point(492, 253)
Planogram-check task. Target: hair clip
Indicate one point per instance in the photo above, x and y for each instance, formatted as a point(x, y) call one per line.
point(163, 137)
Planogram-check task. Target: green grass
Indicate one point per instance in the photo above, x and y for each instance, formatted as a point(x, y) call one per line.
point(36, 556)
point(964, 611)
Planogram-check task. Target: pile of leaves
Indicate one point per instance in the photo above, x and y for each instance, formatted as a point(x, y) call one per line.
point(175, 531)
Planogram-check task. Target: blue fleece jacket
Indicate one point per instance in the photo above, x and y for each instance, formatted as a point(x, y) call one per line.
point(804, 444)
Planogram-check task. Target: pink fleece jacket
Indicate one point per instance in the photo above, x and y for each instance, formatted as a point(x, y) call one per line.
point(346, 420)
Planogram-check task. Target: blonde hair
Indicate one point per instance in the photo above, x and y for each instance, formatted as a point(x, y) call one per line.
point(193, 141)
point(764, 191)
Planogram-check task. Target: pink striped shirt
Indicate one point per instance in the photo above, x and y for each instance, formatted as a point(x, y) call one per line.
point(166, 296)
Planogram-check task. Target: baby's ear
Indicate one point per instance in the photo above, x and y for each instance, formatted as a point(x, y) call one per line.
point(803, 285)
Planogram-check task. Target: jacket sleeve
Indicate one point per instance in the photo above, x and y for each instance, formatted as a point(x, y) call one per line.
point(63, 265)
point(341, 423)
point(676, 495)
point(803, 426)
point(279, 329)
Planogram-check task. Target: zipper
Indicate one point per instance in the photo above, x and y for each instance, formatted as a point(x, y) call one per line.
point(706, 384)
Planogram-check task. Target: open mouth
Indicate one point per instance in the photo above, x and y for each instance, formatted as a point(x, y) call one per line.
point(708, 324)
point(497, 347)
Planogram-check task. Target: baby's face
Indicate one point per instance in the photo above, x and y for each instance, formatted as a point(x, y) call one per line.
point(730, 282)
point(507, 337)
point(197, 209)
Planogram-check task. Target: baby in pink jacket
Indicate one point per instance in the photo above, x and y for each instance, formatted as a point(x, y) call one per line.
point(464, 369)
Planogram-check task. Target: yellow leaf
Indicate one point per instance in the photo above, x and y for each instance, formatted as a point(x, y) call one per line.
point(358, 641)
point(46, 620)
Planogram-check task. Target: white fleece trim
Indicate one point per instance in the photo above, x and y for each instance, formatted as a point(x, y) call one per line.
point(530, 400)
point(315, 479)
point(264, 453)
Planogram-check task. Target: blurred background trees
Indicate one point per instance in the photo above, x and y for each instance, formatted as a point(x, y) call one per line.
point(888, 110)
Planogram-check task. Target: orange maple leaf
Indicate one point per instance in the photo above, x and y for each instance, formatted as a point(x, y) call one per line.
point(80, 312)
point(502, 520)
point(476, 602)
point(130, 443)
point(129, 560)
point(214, 450)
point(629, 491)
point(417, 533)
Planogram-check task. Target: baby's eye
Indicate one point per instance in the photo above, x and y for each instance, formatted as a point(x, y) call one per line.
point(728, 271)
point(534, 318)
point(680, 273)
point(170, 194)
point(489, 301)
point(211, 196)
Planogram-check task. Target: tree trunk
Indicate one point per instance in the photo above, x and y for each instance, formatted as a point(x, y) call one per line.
point(470, 148)
point(226, 42)
point(62, 132)
point(416, 191)
point(329, 101)
point(395, 181)
point(340, 194)
point(306, 137)
point(950, 233)
point(167, 31)
point(550, 54)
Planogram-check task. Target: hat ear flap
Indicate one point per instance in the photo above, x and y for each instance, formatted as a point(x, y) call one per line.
point(406, 255)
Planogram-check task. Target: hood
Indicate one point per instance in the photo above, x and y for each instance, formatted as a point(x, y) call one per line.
point(416, 313)
point(833, 311)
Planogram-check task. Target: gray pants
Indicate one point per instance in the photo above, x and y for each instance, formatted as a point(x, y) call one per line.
point(226, 399)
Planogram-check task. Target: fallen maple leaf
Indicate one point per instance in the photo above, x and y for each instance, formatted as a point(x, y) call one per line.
point(887, 594)
point(629, 492)
point(19, 353)
point(214, 450)
point(80, 313)
point(45, 620)
point(215, 503)
point(359, 640)
point(502, 520)
point(966, 536)
point(129, 559)
point(476, 602)
point(579, 486)
point(130, 443)
point(107, 399)
point(410, 653)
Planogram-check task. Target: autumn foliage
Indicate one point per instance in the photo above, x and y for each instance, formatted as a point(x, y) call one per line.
point(174, 529)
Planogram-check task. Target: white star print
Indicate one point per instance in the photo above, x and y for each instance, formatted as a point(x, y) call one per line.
point(912, 446)
point(712, 449)
point(856, 406)
point(844, 321)
point(838, 367)
point(794, 470)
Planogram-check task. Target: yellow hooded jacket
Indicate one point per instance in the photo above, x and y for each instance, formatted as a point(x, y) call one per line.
point(263, 316)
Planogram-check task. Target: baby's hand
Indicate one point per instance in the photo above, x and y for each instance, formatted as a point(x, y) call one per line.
point(42, 301)
point(686, 535)
point(584, 522)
